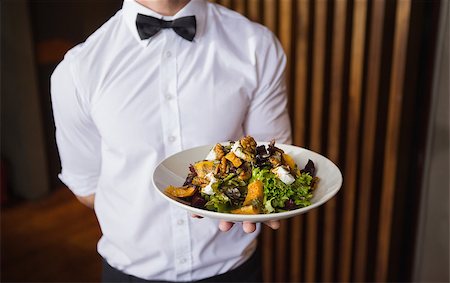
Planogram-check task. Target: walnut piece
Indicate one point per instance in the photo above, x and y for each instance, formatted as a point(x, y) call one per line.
point(218, 149)
point(248, 143)
point(222, 167)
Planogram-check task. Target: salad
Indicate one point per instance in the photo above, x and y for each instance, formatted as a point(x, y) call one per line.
point(244, 178)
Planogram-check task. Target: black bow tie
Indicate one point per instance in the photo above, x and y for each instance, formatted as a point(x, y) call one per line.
point(148, 26)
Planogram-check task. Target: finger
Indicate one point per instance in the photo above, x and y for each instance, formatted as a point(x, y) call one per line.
point(225, 226)
point(249, 227)
point(274, 224)
point(196, 216)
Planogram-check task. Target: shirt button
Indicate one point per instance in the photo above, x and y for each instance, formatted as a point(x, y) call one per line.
point(168, 54)
point(172, 138)
point(168, 97)
point(180, 222)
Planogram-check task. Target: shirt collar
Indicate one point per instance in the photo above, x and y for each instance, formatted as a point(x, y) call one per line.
point(131, 8)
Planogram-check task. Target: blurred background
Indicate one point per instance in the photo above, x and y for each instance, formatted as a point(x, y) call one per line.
point(368, 87)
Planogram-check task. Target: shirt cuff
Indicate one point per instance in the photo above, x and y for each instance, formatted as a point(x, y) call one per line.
point(80, 186)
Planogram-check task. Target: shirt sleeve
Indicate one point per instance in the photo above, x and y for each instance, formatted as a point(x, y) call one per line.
point(77, 137)
point(268, 117)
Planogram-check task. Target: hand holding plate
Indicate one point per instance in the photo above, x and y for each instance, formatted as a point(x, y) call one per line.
point(249, 227)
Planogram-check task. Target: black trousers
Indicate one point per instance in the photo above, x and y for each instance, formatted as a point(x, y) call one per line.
point(249, 271)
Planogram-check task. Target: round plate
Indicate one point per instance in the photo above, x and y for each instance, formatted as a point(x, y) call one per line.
point(174, 169)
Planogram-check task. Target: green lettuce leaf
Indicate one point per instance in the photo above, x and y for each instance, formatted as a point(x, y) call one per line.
point(276, 193)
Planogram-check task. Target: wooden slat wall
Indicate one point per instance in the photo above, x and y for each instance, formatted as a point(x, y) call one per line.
point(334, 133)
point(367, 155)
point(337, 51)
point(392, 136)
point(351, 145)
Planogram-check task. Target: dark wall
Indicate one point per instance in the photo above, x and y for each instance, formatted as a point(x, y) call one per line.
point(23, 155)
point(57, 26)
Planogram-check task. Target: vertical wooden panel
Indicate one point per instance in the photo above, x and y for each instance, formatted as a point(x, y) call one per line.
point(253, 10)
point(338, 51)
point(353, 118)
point(285, 35)
point(301, 71)
point(239, 6)
point(392, 137)
point(226, 3)
point(269, 14)
point(296, 249)
point(284, 18)
point(300, 84)
point(267, 253)
point(320, 11)
point(334, 134)
point(370, 115)
point(281, 252)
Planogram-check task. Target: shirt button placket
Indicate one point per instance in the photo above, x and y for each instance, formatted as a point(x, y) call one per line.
point(168, 93)
point(182, 243)
point(172, 142)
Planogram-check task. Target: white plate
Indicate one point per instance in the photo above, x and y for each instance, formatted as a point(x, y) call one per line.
point(174, 169)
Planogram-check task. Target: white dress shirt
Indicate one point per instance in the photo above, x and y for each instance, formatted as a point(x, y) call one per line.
point(122, 104)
